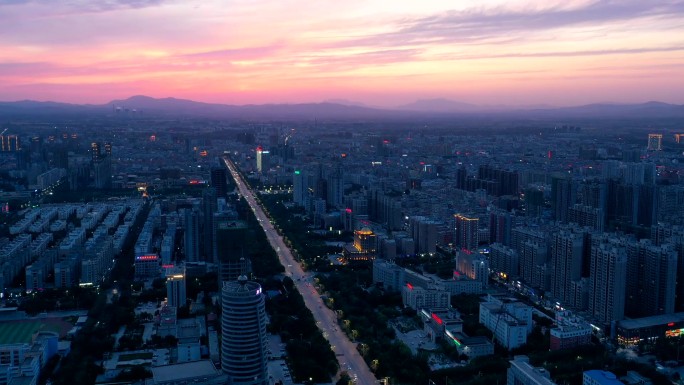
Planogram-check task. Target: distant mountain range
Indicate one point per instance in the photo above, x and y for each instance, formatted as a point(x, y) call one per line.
point(336, 109)
point(439, 105)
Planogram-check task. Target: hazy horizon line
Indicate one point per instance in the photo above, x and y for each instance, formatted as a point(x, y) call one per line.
point(358, 103)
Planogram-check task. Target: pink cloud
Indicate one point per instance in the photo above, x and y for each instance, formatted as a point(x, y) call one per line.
point(260, 51)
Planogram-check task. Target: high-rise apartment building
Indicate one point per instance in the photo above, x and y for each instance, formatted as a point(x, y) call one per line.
point(423, 230)
point(500, 226)
point(191, 239)
point(607, 281)
point(334, 185)
point(587, 216)
point(262, 159)
point(474, 265)
point(385, 209)
point(108, 148)
point(466, 231)
point(229, 252)
point(563, 195)
point(504, 260)
point(95, 151)
point(300, 189)
point(566, 262)
point(532, 255)
point(493, 180)
point(652, 269)
point(533, 202)
point(209, 207)
point(10, 143)
point(655, 142)
point(219, 176)
point(244, 337)
point(175, 287)
point(102, 170)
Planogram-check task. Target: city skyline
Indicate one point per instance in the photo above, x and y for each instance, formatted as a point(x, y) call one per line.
point(382, 54)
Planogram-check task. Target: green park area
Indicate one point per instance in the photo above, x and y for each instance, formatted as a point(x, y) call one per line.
point(23, 331)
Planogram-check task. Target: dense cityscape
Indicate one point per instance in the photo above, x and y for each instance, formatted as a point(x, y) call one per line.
point(139, 249)
point(358, 192)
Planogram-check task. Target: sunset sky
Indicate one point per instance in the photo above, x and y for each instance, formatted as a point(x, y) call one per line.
point(382, 53)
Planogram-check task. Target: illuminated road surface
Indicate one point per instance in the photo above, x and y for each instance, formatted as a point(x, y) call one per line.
point(348, 357)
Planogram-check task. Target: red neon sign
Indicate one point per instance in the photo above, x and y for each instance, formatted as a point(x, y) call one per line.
point(409, 286)
point(436, 318)
point(670, 324)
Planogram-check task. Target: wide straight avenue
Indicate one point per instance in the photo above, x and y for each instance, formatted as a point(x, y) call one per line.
point(348, 357)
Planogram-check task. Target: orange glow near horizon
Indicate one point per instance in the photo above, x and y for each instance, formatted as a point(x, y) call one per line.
point(377, 52)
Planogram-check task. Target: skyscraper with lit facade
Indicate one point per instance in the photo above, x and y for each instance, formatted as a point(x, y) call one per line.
point(262, 159)
point(244, 339)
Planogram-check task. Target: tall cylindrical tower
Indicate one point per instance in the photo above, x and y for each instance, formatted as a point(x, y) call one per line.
point(244, 339)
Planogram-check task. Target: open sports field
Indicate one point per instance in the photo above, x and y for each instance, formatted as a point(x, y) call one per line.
point(12, 332)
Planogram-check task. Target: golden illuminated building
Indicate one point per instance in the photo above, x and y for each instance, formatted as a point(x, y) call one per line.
point(364, 240)
point(363, 249)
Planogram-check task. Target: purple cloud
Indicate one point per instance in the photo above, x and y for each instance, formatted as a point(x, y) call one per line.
point(493, 25)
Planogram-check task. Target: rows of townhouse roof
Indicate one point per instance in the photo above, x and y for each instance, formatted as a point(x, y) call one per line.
point(40, 227)
point(146, 261)
point(13, 257)
point(40, 244)
point(91, 258)
point(97, 257)
point(144, 244)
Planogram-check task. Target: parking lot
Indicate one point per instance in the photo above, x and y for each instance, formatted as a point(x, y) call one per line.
point(277, 367)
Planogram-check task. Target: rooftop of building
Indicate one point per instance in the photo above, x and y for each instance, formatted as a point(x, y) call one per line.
point(603, 377)
point(472, 341)
point(540, 375)
point(184, 371)
point(656, 320)
point(572, 327)
point(241, 286)
point(188, 330)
